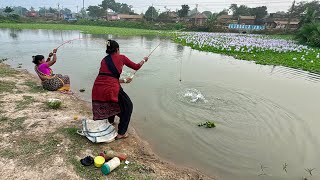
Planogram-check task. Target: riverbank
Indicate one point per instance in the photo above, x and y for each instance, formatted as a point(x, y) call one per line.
point(88, 29)
point(38, 142)
point(262, 49)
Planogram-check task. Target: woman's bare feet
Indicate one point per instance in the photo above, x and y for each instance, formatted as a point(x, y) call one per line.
point(122, 136)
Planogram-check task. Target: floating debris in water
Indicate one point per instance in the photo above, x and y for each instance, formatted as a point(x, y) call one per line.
point(82, 90)
point(208, 124)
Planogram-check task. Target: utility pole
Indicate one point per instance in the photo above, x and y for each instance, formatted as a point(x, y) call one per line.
point(290, 15)
point(45, 11)
point(83, 4)
point(77, 9)
point(58, 11)
point(196, 8)
point(195, 17)
point(152, 13)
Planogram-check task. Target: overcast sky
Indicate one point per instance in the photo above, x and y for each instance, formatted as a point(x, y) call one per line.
point(140, 6)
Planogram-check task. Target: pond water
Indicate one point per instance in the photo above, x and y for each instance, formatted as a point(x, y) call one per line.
point(266, 116)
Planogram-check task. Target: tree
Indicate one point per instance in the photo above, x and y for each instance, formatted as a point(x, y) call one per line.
point(66, 11)
point(125, 8)
point(151, 13)
point(302, 7)
point(223, 12)
point(259, 13)
point(95, 11)
point(52, 10)
point(20, 10)
point(207, 13)
point(109, 4)
point(183, 12)
point(32, 9)
point(309, 16)
point(242, 10)
point(8, 10)
point(164, 17)
point(116, 7)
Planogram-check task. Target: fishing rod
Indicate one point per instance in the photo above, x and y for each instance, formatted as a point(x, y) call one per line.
point(148, 57)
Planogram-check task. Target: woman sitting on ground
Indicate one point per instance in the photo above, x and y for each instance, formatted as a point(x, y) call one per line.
point(50, 81)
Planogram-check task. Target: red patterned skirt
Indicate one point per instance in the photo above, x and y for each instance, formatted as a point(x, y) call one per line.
point(103, 110)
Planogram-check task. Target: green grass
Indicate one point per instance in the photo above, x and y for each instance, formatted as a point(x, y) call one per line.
point(16, 124)
point(54, 104)
point(6, 71)
point(27, 100)
point(34, 87)
point(80, 143)
point(7, 86)
point(87, 29)
point(3, 119)
point(7, 153)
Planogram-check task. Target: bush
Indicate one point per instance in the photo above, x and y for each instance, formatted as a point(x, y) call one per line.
point(309, 34)
point(54, 104)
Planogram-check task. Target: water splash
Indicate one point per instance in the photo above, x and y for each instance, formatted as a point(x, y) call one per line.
point(194, 95)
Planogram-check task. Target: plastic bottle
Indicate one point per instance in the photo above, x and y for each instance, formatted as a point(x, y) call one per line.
point(110, 165)
point(111, 154)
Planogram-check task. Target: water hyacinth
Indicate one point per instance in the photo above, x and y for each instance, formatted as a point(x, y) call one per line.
point(261, 48)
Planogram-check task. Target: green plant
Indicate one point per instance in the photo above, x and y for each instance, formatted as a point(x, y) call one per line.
point(309, 34)
point(54, 104)
point(34, 87)
point(207, 124)
point(27, 100)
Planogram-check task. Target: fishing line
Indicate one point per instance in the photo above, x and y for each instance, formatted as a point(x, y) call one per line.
point(180, 79)
point(148, 57)
point(69, 41)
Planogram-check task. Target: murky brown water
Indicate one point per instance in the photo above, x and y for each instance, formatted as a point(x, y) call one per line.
point(265, 115)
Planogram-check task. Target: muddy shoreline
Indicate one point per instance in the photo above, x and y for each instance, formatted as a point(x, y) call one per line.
point(33, 135)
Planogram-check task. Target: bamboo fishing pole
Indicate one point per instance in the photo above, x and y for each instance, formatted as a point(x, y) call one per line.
point(148, 58)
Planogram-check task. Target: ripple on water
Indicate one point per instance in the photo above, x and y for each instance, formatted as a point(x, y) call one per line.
point(250, 129)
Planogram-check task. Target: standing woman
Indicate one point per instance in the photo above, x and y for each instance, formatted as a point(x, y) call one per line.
point(108, 97)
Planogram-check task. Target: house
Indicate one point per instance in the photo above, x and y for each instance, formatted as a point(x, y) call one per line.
point(225, 20)
point(198, 19)
point(173, 16)
point(282, 23)
point(130, 17)
point(32, 14)
point(246, 20)
point(70, 16)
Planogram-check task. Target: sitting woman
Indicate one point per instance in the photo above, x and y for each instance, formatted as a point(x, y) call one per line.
point(50, 81)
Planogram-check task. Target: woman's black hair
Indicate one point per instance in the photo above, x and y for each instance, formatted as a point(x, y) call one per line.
point(36, 59)
point(112, 46)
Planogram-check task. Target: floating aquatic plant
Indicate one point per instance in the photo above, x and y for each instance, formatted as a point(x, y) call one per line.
point(207, 124)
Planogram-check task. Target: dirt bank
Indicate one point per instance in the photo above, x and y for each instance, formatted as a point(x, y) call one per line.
point(38, 142)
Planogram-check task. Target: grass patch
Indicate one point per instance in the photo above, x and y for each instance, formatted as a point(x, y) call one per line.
point(87, 29)
point(34, 87)
point(6, 71)
point(133, 168)
point(3, 119)
point(54, 104)
point(7, 86)
point(80, 143)
point(8, 154)
point(27, 100)
point(27, 147)
point(15, 124)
